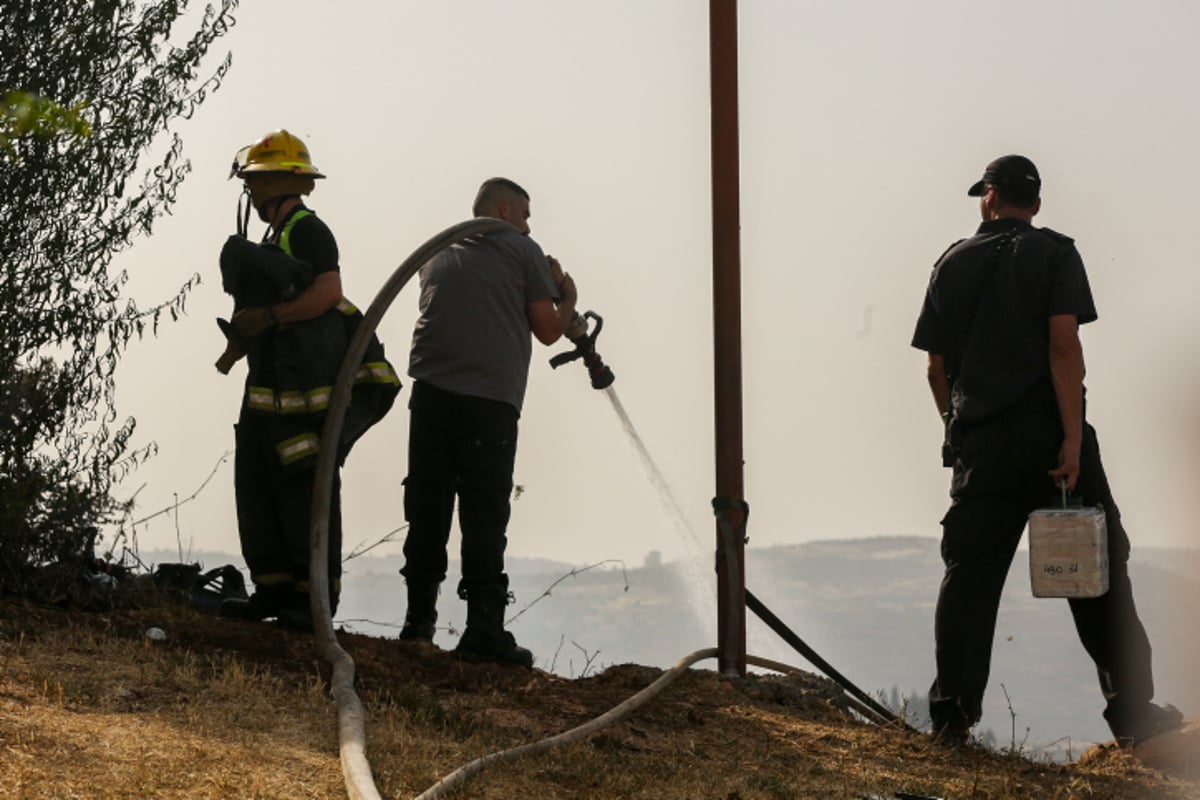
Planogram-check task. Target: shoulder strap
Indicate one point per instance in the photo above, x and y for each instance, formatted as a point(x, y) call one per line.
point(285, 235)
point(1008, 243)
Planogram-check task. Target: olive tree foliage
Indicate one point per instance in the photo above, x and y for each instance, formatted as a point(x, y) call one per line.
point(89, 159)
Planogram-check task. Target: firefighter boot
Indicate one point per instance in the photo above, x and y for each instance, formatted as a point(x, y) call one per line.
point(267, 601)
point(296, 614)
point(485, 638)
point(420, 618)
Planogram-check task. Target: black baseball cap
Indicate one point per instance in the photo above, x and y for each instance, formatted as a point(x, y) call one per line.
point(1010, 172)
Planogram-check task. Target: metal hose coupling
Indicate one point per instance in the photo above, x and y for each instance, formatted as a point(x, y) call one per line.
point(585, 348)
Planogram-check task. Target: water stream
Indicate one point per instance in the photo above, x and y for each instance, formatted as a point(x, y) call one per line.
point(697, 562)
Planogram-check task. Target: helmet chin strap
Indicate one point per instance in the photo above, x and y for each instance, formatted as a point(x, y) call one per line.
point(243, 213)
point(268, 213)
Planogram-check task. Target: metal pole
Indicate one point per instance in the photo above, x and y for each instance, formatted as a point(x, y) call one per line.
point(729, 504)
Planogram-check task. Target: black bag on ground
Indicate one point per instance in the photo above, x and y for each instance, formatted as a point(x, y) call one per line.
point(203, 591)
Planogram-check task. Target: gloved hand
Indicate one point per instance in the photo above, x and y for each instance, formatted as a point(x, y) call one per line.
point(230, 357)
point(250, 322)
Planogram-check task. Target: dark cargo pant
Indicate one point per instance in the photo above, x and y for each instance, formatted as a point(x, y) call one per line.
point(999, 478)
point(464, 447)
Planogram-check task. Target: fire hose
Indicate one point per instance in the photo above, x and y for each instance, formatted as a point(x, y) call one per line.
point(356, 769)
point(609, 717)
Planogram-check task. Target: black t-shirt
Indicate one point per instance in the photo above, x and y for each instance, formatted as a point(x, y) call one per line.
point(987, 312)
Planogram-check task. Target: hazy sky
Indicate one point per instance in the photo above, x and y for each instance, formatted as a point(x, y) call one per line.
point(862, 125)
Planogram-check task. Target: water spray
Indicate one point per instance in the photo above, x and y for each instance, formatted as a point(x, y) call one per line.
point(585, 348)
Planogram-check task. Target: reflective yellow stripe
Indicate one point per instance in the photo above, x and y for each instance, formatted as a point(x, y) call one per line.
point(298, 447)
point(272, 579)
point(346, 307)
point(318, 399)
point(260, 398)
point(377, 372)
point(293, 401)
point(334, 588)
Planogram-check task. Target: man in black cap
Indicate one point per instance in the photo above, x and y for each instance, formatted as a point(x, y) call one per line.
point(1000, 323)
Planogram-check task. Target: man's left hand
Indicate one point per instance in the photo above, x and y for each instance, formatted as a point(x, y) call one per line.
point(250, 322)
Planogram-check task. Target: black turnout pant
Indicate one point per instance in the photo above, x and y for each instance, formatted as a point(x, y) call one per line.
point(274, 509)
point(464, 447)
point(999, 478)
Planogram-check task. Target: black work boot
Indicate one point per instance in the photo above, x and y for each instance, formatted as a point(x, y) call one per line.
point(1132, 726)
point(485, 638)
point(949, 734)
point(420, 619)
point(266, 602)
point(296, 614)
point(950, 724)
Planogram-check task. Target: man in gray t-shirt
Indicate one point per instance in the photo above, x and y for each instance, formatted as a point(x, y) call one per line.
point(473, 334)
point(480, 302)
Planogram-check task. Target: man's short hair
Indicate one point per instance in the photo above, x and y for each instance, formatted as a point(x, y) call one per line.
point(1016, 197)
point(491, 192)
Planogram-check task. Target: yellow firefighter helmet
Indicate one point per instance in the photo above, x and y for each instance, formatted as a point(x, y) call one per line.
point(279, 152)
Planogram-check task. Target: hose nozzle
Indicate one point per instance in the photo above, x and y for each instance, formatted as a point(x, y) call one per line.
point(585, 348)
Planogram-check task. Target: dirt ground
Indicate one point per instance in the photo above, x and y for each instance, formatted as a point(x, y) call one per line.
point(705, 736)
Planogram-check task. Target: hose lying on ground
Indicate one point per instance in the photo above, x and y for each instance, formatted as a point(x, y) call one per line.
point(612, 715)
point(607, 718)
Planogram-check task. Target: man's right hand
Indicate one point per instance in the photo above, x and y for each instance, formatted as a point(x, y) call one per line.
point(567, 290)
point(1068, 465)
point(563, 282)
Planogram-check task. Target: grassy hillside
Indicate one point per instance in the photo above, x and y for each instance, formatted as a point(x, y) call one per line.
point(89, 707)
point(865, 605)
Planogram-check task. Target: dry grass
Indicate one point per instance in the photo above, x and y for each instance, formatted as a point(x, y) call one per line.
point(86, 714)
point(89, 708)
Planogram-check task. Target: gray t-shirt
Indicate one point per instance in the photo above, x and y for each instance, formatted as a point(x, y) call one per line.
point(473, 335)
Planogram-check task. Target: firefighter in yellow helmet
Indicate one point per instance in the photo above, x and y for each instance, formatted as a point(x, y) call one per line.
point(292, 324)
